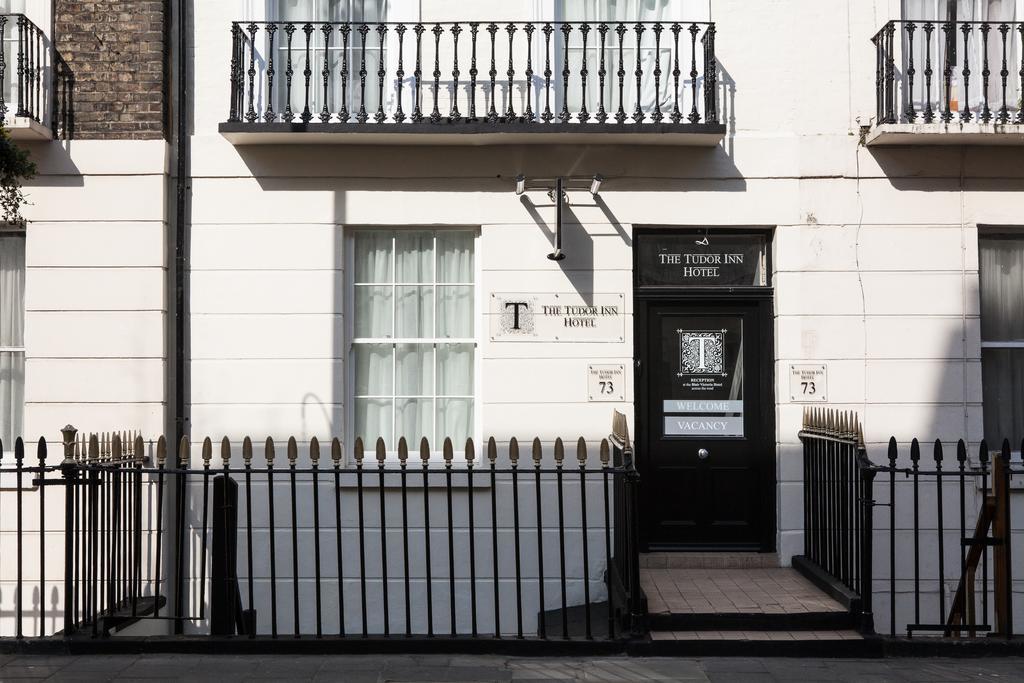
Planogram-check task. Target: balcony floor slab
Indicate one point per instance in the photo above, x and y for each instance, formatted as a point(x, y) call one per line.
point(474, 134)
point(953, 133)
point(25, 129)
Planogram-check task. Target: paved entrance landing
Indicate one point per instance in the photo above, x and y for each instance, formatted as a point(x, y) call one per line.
point(737, 596)
point(761, 590)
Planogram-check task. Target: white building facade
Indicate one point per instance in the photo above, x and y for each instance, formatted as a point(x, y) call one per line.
point(817, 234)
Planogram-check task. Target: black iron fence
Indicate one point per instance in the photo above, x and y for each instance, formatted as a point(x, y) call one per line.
point(949, 72)
point(126, 535)
point(473, 72)
point(926, 538)
point(25, 69)
point(838, 499)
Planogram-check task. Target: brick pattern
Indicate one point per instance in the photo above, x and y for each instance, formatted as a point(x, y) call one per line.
point(733, 591)
point(116, 52)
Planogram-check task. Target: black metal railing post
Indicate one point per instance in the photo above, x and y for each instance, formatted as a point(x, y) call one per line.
point(865, 583)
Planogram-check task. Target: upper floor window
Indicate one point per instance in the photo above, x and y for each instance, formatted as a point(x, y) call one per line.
point(12, 336)
point(1001, 268)
point(283, 52)
point(957, 40)
point(642, 49)
point(413, 336)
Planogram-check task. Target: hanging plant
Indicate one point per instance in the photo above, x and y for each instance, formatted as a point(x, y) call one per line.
point(15, 167)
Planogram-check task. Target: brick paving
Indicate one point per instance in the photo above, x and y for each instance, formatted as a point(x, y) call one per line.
point(760, 590)
point(487, 669)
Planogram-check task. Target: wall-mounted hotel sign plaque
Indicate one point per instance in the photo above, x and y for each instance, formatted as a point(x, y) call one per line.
point(808, 383)
point(606, 382)
point(701, 259)
point(562, 316)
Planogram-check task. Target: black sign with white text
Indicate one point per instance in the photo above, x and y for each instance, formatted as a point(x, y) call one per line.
point(700, 259)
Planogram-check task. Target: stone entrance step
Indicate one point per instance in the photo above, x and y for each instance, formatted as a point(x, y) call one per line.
point(707, 560)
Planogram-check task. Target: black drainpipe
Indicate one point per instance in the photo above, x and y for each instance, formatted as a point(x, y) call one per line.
point(183, 190)
point(180, 108)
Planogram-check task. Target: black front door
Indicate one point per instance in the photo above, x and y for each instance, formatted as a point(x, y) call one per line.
point(705, 455)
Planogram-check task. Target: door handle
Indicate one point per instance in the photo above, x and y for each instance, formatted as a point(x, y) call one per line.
point(703, 454)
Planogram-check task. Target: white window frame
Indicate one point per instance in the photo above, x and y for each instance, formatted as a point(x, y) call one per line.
point(8, 448)
point(436, 446)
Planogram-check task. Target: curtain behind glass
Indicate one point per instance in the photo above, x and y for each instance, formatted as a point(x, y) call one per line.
point(1001, 262)
point(317, 12)
point(612, 12)
point(940, 11)
point(12, 331)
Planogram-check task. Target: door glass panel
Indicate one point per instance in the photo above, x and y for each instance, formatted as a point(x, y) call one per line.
point(702, 362)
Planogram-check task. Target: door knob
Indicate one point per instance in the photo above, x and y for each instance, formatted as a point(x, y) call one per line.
point(703, 454)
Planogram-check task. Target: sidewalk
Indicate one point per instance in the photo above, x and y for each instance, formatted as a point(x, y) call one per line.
point(473, 669)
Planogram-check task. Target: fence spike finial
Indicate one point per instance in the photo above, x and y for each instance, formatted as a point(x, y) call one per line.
point(247, 451)
point(559, 451)
point(983, 453)
point(268, 451)
point(937, 451)
point(225, 450)
point(292, 451)
point(116, 449)
point(513, 451)
point(403, 451)
point(581, 451)
point(606, 454)
point(94, 447)
point(492, 450)
point(447, 452)
point(538, 451)
point(470, 451)
point(314, 451)
point(336, 451)
point(357, 451)
point(184, 452)
point(161, 451)
point(424, 450)
point(207, 453)
point(915, 451)
point(381, 450)
point(961, 452)
point(893, 451)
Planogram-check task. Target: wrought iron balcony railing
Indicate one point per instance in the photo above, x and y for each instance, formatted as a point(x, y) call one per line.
point(949, 72)
point(512, 76)
point(24, 65)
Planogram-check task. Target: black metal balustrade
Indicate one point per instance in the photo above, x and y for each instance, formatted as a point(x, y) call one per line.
point(25, 68)
point(949, 72)
point(485, 546)
point(932, 540)
point(539, 73)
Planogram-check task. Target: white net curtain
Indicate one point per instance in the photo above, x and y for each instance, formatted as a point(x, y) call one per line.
point(12, 337)
point(414, 348)
point(972, 93)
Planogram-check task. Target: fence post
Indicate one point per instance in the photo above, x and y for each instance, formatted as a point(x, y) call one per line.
point(69, 470)
point(224, 596)
point(1001, 531)
point(867, 511)
point(636, 611)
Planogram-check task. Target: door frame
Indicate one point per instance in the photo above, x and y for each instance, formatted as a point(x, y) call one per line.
point(760, 297)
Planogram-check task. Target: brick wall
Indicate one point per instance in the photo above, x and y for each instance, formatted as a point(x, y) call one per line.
point(115, 50)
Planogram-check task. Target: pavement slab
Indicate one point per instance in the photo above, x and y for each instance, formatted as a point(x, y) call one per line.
point(497, 669)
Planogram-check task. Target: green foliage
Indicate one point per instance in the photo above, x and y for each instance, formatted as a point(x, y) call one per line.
point(15, 166)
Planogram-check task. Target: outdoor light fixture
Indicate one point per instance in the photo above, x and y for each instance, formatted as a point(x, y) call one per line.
point(556, 191)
